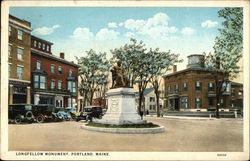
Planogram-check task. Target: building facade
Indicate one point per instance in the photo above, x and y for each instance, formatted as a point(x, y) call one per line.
point(53, 79)
point(19, 60)
point(193, 89)
point(149, 101)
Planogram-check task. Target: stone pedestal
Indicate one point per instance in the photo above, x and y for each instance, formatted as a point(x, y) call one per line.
point(121, 108)
point(28, 95)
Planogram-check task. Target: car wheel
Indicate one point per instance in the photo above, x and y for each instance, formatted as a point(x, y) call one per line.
point(40, 119)
point(29, 116)
point(18, 119)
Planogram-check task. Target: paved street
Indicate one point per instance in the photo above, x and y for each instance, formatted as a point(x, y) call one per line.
point(181, 135)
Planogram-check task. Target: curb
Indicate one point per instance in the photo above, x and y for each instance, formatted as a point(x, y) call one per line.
point(155, 130)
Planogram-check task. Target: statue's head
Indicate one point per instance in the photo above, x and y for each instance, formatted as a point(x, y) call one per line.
point(119, 63)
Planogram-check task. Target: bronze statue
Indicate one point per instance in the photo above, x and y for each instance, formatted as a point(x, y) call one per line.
point(119, 78)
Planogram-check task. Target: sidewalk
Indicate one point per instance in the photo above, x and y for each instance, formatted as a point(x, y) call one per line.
point(193, 118)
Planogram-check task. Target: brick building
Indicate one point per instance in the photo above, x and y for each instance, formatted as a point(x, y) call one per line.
point(19, 60)
point(194, 88)
point(53, 79)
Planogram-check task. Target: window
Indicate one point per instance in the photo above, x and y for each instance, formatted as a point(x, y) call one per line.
point(221, 102)
point(39, 45)
point(59, 84)
point(169, 89)
point(60, 69)
point(20, 54)
point(19, 34)
point(35, 43)
point(43, 46)
point(176, 88)
point(10, 69)
point(10, 30)
point(19, 72)
point(226, 87)
point(185, 86)
point(40, 81)
point(47, 47)
point(36, 81)
point(211, 86)
point(198, 103)
point(38, 65)
point(184, 102)
point(10, 49)
point(70, 73)
point(52, 68)
point(72, 86)
point(152, 99)
point(53, 84)
point(233, 92)
point(198, 86)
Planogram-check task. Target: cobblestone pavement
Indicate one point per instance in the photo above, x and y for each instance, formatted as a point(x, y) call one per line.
point(180, 136)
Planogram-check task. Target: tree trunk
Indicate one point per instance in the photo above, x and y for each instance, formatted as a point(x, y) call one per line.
point(157, 104)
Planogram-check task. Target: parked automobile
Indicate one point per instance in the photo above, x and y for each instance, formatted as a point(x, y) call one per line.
point(90, 112)
point(66, 115)
point(20, 113)
point(43, 112)
point(72, 111)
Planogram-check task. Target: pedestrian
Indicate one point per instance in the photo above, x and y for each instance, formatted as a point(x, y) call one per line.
point(141, 113)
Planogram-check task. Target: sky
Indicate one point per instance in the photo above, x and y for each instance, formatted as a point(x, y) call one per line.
point(74, 30)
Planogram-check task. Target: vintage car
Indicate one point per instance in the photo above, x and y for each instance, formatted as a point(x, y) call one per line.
point(20, 113)
point(90, 112)
point(66, 115)
point(72, 111)
point(43, 112)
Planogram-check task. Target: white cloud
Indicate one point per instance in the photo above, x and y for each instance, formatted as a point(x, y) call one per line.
point(45, 30)
point(121, 24)
point(187, 31)
point(155, 27)
point(82, 33)
point(209, 24)
point(112, 25)
point(106, 34)
point(158, 19)
point(129, 34)
point(134, 24)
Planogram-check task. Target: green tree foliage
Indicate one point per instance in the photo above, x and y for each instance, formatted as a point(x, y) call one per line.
point(160, 63)
point(144, 66)
point(93, 71)
point(228, 49)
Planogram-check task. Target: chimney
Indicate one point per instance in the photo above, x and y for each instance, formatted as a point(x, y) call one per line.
point(62, 55)
point(174, 68)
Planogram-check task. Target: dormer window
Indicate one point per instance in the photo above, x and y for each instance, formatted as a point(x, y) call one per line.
point(39, 45)
point(70, 73)
point(47, 48)
point(43, 46)
point(35, 43)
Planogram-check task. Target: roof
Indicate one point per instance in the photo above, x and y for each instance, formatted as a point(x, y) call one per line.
point(187, 70)
point(41, 53)
point(148, 90)
point(236, 84)
point(48, 42)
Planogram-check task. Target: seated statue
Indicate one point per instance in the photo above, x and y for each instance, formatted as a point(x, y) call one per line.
point(119, 78)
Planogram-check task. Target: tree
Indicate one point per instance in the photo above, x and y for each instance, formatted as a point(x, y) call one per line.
point(227, 51)
point(93, 71)
point(160, 63)
point(135, 62)
point(128, 54)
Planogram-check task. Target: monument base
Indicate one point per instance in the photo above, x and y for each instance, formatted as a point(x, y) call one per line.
point(121, 108)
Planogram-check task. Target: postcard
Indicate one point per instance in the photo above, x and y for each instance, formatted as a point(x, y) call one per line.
point(125, 80)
